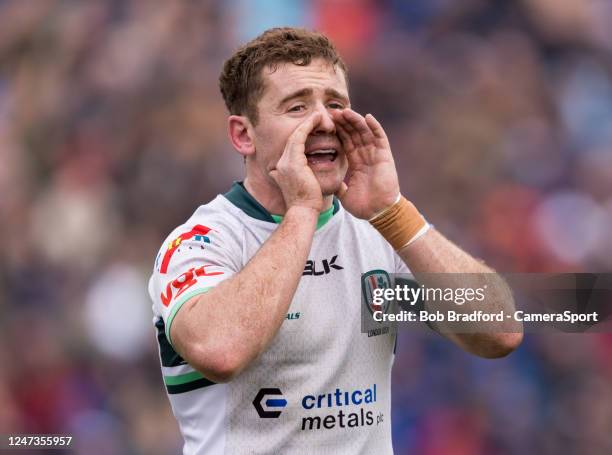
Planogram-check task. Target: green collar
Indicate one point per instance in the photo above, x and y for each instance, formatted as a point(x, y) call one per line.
point(241, 198)
point(324, 217)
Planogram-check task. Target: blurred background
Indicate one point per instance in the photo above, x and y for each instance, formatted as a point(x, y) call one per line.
point(112, 131)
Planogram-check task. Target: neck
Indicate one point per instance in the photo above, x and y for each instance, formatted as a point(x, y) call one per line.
point(272, 199)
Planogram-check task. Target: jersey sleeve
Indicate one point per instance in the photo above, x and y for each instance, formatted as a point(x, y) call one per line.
point(194, 259)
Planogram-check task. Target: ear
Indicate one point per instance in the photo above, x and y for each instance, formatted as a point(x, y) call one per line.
point(239, 129)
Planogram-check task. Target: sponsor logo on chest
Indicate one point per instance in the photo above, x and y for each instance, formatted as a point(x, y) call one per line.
point(326, 266)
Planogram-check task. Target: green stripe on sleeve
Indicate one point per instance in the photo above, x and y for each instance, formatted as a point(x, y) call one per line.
point(183, 378)
point(188, 386)
point(178, 306)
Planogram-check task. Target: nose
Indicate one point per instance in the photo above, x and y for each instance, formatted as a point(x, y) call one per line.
point(326, 125)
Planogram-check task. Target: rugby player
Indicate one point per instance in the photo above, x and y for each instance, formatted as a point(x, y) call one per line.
point(257, 296)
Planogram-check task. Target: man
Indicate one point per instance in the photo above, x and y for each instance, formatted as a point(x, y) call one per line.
point(257, 296)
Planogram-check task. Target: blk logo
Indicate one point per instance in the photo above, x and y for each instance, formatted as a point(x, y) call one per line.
point(278, 402)
point(311, 267)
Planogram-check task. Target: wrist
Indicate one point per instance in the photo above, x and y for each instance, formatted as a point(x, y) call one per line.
point(302, 212)
point(380, 212)
point(400, 223)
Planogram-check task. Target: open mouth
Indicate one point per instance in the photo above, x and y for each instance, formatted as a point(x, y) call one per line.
point(321, 156)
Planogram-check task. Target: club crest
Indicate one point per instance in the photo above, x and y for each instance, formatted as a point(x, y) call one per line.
point(375, 279)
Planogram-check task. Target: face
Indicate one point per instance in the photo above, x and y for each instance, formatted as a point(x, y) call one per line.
point(293, 93)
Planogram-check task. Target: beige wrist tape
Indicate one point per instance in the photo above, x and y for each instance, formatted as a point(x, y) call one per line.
point(399, 223)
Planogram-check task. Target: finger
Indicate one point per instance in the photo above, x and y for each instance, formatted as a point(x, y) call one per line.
point(338, 117)
point(344, 122)
point(359, 125)
point(376, 127)
point(350, 129)
point(297, 140)
point(343, 129)
point(341, 191)
point(355, 120)
point(301, 133)
point(345, 138)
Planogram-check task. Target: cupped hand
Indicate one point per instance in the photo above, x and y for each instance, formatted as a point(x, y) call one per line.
point(292, 174)
point(371, 183)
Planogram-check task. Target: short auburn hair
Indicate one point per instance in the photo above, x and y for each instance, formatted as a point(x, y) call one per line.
point(241, 81)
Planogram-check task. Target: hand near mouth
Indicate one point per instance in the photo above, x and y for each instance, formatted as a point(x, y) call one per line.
point(294, 177)
point(371, 182)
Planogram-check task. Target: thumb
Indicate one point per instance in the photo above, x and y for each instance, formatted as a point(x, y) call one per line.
point(341, 192)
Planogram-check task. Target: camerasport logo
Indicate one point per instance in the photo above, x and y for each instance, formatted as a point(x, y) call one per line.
point(183, 282)
point(197, 233)
point(273, 400)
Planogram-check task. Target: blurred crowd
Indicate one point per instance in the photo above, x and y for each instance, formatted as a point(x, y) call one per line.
point(112, 131)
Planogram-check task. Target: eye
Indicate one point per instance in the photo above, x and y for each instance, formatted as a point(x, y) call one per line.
point(335, 106)
point(297, 108)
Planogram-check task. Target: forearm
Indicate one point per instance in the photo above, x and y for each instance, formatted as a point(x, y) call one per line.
point(222, 331)
point(367, 194)
point(433, 254)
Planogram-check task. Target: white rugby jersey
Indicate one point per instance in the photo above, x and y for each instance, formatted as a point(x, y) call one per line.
point(322, 386)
